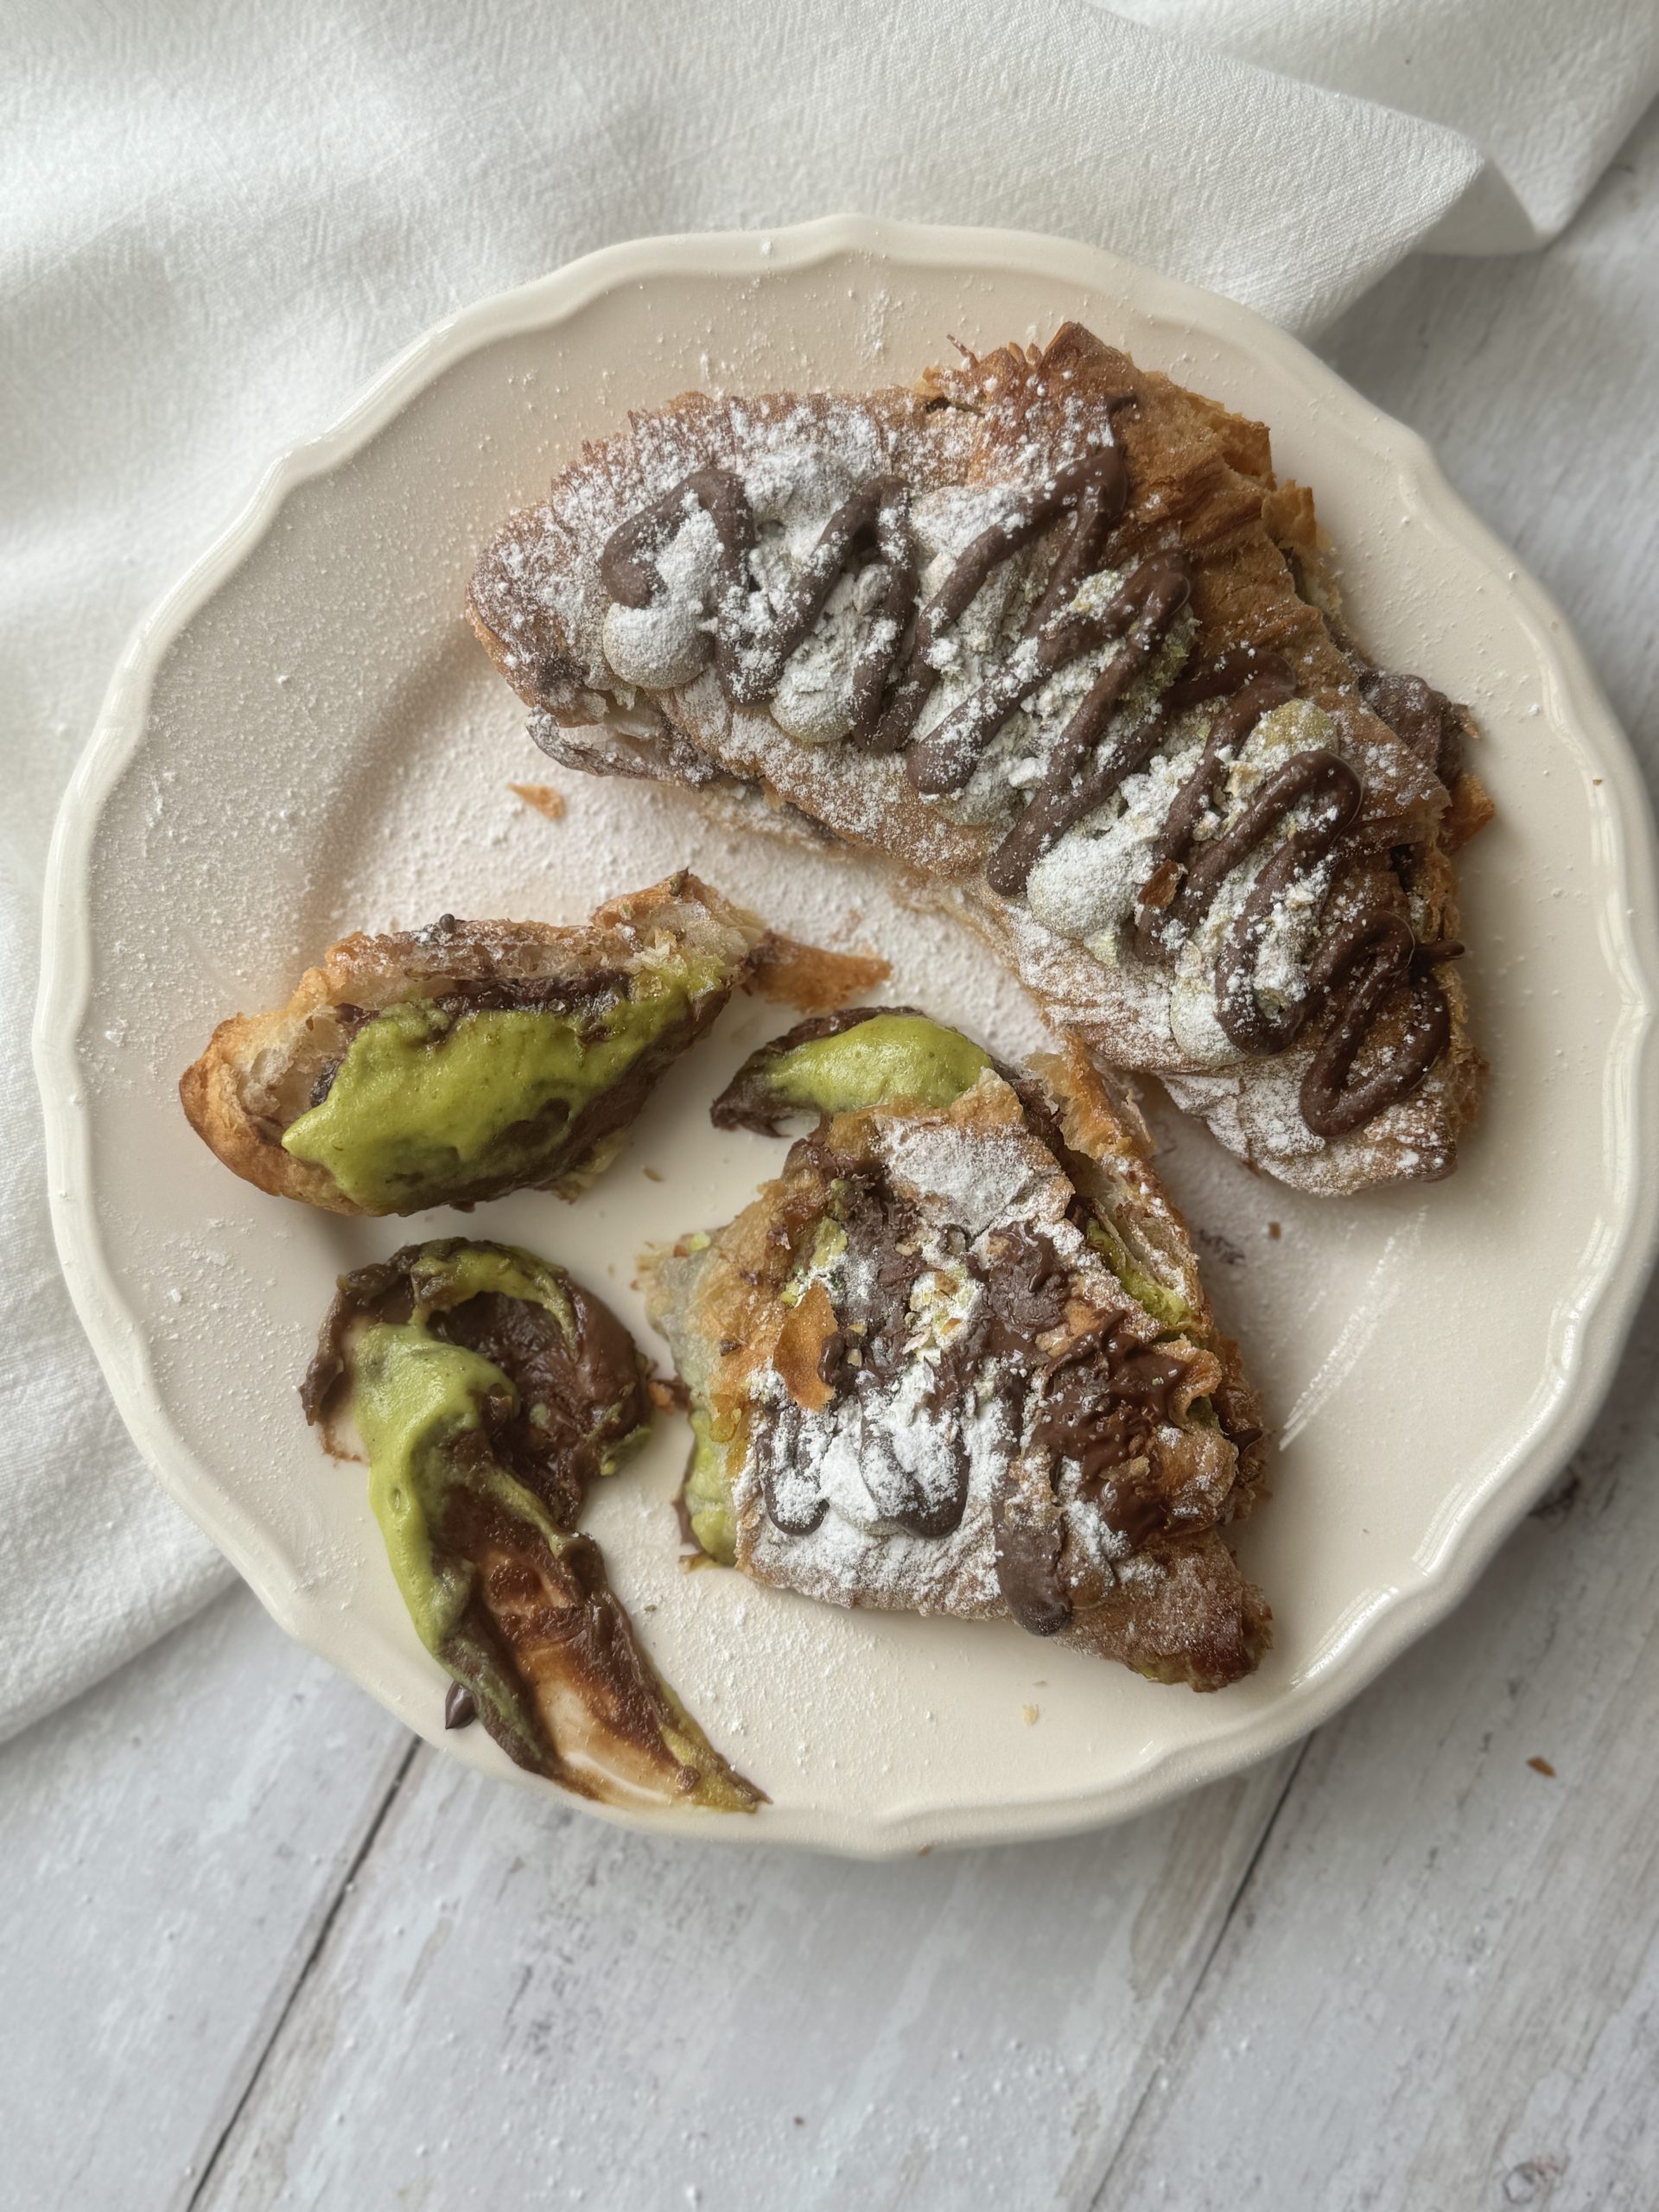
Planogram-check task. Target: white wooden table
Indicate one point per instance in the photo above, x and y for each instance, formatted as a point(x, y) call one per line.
point(261, 1949)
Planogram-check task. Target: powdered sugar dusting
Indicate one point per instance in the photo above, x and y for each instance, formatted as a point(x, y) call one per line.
point(968, 461)
point(969, 1188)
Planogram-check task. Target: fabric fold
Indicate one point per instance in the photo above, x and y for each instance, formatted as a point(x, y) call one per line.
point(210, 238)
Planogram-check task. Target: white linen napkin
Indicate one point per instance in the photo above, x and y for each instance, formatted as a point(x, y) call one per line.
point(1547, 90)
point(214, 228)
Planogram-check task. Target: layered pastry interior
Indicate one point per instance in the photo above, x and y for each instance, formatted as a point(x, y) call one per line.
point(452, 1063)
point(488, 1391)
point(1045, 631)
point(957, 1359)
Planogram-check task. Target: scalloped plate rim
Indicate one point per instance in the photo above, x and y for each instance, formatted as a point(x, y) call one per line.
point(1588, 1328)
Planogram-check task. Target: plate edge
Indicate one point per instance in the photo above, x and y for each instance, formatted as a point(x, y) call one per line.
point(1588, 1332)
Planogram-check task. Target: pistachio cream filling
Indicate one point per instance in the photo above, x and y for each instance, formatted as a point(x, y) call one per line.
point(891, 1056)
point(1164, 1305)
point(708, 1494)
point(431, 1101)
point(886, 1056)
point(412, 1395)
point(500, 1585)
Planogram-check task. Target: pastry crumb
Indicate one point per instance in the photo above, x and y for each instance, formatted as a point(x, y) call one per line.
point(604, 590)
point(1033, 1713)
point(812, 978)
point(542, 797)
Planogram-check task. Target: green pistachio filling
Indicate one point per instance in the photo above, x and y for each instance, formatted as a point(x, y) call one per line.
point(708, 1492)
point(1165, 1305)
point(450, 1271)
point(829, 1242)
point(412, 1394)
point(428, 1413)
point(890, 1056)
point(429, 1102)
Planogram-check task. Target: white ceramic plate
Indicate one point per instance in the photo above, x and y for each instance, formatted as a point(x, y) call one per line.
point(304, 738)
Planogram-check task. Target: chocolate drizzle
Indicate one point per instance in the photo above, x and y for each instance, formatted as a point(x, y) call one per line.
point(1100, 1398)
point(538, 1648)
point(568, 1381)
point(1357, 971)
point(1093, 492)
point(861, 1359)
point(1102, 1407)
point(1378, 952)
point(1101, 1401)
point(1029, 1546)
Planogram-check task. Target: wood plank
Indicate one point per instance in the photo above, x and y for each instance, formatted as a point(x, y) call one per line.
point(1434, 1986)
point(173, 1843)
point(1441, 1986)
point(1533, 380)
point(519, 2003)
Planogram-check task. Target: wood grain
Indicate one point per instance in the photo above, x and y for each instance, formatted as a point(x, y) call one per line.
point(174, 1843)
point(1439, 1986)
point(554, 2000)
point(258, 1953)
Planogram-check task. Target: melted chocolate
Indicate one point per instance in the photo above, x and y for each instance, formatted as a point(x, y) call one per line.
point(893, 681)
point(1309, 775)
point(1145, 607)
point(627, 565)
point(1264, 684)
point(1027, 1293)
point(1093, 492)
point(778, 1451)
point(1424, 718)
point(568, 1389)
point(540, 1629)
point(1028, 1567)
point(1102, 1407)
point(591, 1384)
point(592, 992)
point(1377, 950)
point(1101, 1402)
point(862, 1359)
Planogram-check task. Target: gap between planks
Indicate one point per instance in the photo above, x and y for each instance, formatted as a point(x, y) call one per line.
point(1172, 2032)
point(307, 1967)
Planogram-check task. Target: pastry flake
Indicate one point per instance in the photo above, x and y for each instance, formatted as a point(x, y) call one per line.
point(486, 1390)
point(1044, 632)
point(449, 1064)
point(957, 1358)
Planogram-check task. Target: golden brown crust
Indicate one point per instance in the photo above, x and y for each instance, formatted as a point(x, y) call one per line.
point(1108, 1134)
point(1188, 1616)
point(258, 1071)
point(1470, 810)
point(223, 1107)
point(1177, 1608)
point(810, 977)
point(1260, 579)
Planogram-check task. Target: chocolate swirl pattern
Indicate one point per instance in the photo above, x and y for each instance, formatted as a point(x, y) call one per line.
point(1362, 963)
